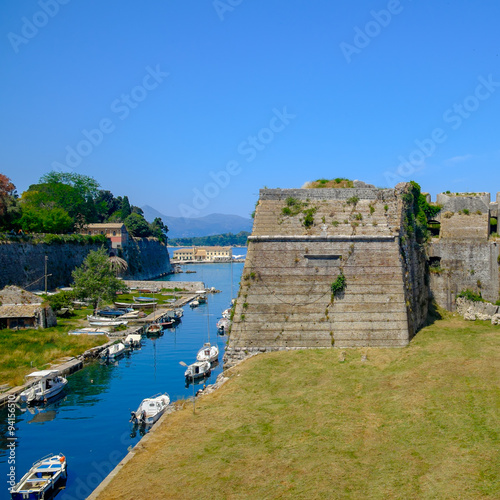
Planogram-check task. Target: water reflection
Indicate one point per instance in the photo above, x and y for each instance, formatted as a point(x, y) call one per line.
point(90, 423)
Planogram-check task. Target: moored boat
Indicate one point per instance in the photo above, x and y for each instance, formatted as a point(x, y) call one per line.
point(153, 329)
point(198, 369)
point(223, 325)
point(132, 340)
point(208, 353)
point(150, 410)
point(43, 480)
point(49, 385)
point(113, 351)
point(194, 303)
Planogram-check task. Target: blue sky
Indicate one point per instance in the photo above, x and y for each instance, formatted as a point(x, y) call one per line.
point(192, 106)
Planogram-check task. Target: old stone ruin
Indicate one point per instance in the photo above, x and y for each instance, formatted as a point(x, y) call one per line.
point(345, 267)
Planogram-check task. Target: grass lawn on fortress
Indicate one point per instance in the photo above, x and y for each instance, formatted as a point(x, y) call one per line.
point(421, 422)
point(24, 351)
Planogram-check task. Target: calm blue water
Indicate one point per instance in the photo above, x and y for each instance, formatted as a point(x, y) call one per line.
point(89, 425)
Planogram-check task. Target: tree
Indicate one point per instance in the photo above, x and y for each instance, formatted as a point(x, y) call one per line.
point(51, 220)
point(74, 193)
point(95, 279)
point(106, 204)
point(7, 190)
point(9, 208)
point(137, 226)
point(125, 208)
point(159, 230)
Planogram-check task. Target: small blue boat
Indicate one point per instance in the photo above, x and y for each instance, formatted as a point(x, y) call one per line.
point(43, 480)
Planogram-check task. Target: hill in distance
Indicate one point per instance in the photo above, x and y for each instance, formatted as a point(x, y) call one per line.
point(184, 227)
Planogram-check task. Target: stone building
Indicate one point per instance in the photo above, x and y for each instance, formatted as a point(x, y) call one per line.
point(207, 254)
point(22, 309)
point(116, 232)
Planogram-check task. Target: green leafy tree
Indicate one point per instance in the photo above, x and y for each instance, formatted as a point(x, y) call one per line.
point(125, 208)
point(51, 220)
point(96, 280)
point(137, 226)
point(106, 205)
point(159, 230)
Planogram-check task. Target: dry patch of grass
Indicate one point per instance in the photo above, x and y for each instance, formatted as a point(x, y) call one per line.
point(420, 422)
point(23, 351)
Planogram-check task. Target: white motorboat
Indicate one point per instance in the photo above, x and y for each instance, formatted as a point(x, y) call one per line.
point(49, 385)
point(223, 325)
point(132, 340)
point(226, 313)
point(194, 303)
point(150, 410)
point(198, 369)
point(113, 351)
point(208, 353)
point(179, 312)
point(43, 480)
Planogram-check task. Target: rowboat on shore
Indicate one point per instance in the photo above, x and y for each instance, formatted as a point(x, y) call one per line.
point(145, 299)
point(96, 321)
point(138, 305)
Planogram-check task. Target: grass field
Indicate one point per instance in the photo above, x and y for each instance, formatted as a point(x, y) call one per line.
point(23, 351)
point(421, 422)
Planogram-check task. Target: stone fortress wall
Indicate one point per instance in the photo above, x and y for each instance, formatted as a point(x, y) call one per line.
point(465, 253)
point(285, 300)
point(23, 264)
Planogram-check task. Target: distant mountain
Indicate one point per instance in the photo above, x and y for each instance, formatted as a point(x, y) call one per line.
point(184, 227)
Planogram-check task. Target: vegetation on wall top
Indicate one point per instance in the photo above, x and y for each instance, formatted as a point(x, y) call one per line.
point(339, 182)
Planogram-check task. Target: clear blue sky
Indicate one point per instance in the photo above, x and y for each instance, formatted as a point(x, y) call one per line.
point(275, 92)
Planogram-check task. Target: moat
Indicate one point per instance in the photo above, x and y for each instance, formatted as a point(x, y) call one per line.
point(90, 424)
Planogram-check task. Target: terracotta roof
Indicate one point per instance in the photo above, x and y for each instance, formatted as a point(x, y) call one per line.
point(110, 225)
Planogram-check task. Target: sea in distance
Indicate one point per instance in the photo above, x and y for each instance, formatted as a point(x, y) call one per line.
point(90, 423)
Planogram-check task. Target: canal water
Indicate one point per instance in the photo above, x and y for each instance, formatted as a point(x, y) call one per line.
point(90, 423)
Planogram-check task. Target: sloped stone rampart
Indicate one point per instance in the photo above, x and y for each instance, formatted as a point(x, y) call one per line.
point(285, 299)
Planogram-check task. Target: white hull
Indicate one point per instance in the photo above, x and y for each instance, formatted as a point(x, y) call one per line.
point(199, 369)
point(114, 351)
point(49, 386)
point(150, 410)
point(208, 353)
